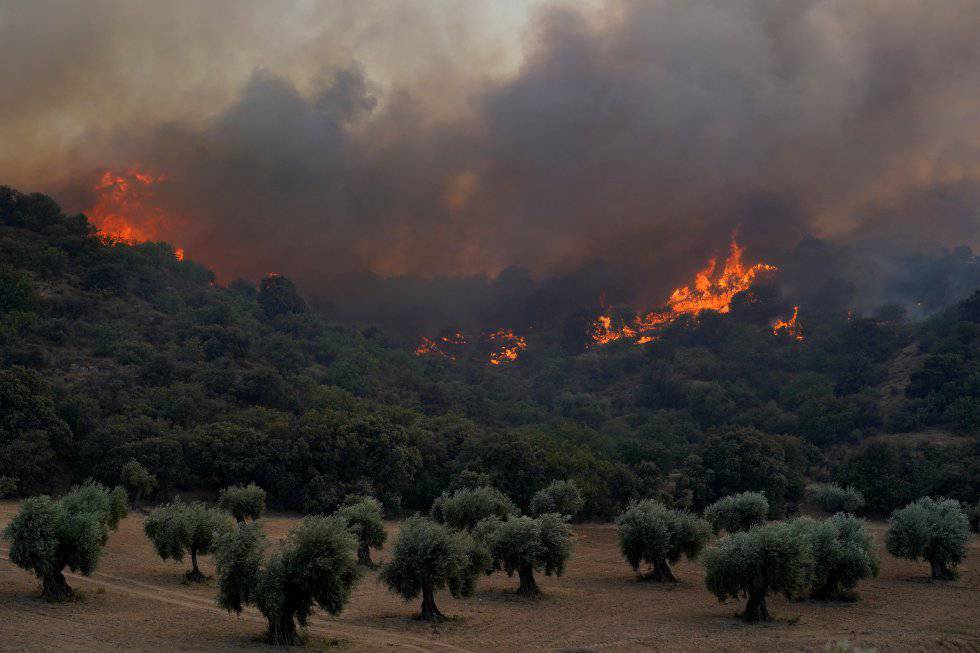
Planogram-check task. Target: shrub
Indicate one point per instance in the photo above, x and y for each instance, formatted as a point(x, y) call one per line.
point(428, 557)
point(315, 566)
point(177, 529)
point(832, 498)
point(936, 530)
point(138, 480)
point(48, 535)
point(651, 533)
point(562, 497)
point(465, 507)
point(525, 545)
point(737, 512)
point(243, 502)
point(363, 518)
point(972, 514)
point(843, 553)
point(755, 563)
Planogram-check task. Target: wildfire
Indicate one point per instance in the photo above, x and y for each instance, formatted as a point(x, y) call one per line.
point(505, 345)
point(125, 211)
point(441, 347)
point(710, 291)
point(509, 346)
point(790, 326)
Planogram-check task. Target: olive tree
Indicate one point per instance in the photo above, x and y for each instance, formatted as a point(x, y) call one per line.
point(843, 553)
point(314, 567)
point(936, 530)
point(651, 533)
point(832, 498)
point(737, 512)
point(562, 497)
point(428, 557)
point(363, 517)
point(243, 502)
point(465, 507)
point(178, 529)
point(48, 535)
point(525, 545)
point(755, 563)
point(138, 480)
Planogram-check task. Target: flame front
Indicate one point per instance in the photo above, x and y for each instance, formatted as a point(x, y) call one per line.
point(124, 210)
point(442, 346)
point(709, 292)
point(508, 346)
point(790, 326)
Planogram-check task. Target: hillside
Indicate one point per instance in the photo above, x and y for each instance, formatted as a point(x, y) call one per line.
point(114, 351)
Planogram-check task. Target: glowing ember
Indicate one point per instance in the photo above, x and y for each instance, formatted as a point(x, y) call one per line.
point(710, 291)
point(790, 326)
point(442, 346)
point(125, 211)
point(508, 346)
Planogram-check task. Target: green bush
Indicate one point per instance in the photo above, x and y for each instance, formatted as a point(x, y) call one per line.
point(832, 498)
point(138, 480)
point(48, 535)
point(936, 530)
point(658, 536)
point(562, 497)
point(737, 512)
point(314, 566)
point(363, 517)
point(753, 564)
point(243, 502)
point(177, 529)
point(428, 557)
point(525, 545)
point(844, 553)
point(465, 507)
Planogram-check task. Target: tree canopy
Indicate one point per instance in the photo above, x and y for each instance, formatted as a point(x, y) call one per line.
point(653, 534)
point(936, 530)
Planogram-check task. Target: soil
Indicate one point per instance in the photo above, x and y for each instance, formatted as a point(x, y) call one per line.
point(137, 602)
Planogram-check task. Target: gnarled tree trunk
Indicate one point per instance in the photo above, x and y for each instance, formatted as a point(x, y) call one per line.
point(364, 555)
point(430, 611)
point(282, 631)
point(56, 588)
point(528, 586)
point(755, 609)
point(660, 573)
point(940, 571)
point(195, 575)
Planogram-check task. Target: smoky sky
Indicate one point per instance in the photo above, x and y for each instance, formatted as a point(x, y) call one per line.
point(336, 141)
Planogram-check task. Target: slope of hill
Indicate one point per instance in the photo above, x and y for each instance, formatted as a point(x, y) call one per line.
point(114, 351)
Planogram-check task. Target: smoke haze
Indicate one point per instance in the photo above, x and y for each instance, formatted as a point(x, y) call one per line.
point(617, 143)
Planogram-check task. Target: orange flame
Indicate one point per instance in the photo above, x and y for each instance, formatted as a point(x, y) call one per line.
point(124, 210)
point(790, 326)
point(442, 347)
point(509, 346)
point(708, 292)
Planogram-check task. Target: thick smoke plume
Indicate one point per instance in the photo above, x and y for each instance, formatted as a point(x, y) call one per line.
point(619, 152)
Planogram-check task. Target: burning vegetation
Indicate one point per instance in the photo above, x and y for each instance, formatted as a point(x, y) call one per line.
point(791, 326)
point(710, 291)
point(125, 209)
point(504, 346)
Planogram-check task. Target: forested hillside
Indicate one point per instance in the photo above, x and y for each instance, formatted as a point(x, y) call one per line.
point(113, 352)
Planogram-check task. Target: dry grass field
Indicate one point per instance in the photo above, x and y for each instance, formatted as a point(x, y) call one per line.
point(136, 602)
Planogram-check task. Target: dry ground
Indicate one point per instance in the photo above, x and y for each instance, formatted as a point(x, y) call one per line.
point(137, 602)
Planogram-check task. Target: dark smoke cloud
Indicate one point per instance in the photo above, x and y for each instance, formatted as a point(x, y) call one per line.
point(639, 133)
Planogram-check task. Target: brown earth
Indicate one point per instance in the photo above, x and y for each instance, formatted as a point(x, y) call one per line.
point(137, 602)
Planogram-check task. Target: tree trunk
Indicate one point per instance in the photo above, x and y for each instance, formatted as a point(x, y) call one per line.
point(195, 575)
point(282, 631)
point(940, 571)
point(528, 586)
point(660, 573)
point(55, 588)
point(430, 612)
point(364, 555)
point(755, 609)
